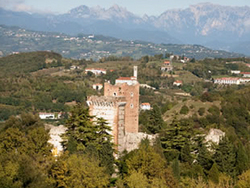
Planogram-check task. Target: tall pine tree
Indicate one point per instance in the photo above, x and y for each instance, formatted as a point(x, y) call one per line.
point(225, 157)
point(174, 139)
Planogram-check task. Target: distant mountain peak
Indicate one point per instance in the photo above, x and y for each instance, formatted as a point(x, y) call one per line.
point(80, 8)
point(116, 7)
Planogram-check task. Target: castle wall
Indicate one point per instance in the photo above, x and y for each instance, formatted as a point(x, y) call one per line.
point(131, 95)
point(132, 141)
point(105, 108)
point(108, 109)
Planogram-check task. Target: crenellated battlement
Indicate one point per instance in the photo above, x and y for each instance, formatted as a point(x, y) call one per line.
point(104, 101)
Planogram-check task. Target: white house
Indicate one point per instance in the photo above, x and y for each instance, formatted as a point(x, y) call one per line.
point(145, 106)
point(167, 63)
point(177, 83)
point(227, 81)
point(74, 67)
point(147, 86)
point(245, 74)
point(52, 115)
point(44, 115)
point(235, 71)
point(97, 86)
point(96, 71)
point(167, 66)
point(248, 65)
point(244, 80)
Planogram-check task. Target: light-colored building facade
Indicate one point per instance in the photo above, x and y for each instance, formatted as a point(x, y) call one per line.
point(97, 87)
point(44, 115)
point(245, 74)
point(96, 71)
point(227, 81)
point(235, 71)
point(177, 83)
point(145, 106)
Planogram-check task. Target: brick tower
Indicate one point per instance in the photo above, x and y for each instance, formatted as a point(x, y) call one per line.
point(119, 105)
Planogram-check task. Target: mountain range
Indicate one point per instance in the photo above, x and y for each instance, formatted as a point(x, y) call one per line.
point(215, 26)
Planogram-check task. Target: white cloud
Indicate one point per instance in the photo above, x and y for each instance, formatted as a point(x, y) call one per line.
point(9, 4)
point(20, 6)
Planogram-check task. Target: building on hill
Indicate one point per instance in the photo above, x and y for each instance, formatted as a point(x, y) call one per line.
point(130, 91)
point(97, 87)
point(44, 115)
point(96, 71)
point(227, 81)
point(145, 106)
point(167, 62)
point(167, 66)
point(245, 74)
point(147, 86)
point(74, 67)
point(248, 65)
point(235, 71)
point(120, 107)
point(177, 83)
point(51, 115)
point(244, 80)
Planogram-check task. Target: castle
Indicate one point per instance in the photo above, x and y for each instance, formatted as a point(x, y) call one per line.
point(120, 107)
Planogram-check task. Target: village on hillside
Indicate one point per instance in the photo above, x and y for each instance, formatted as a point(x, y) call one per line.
point(173, 69)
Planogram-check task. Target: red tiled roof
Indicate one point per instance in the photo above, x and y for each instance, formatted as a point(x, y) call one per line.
point(145, 104)
point(227, 78)
point(98, 84)
point(178, 81)
point(245, 73)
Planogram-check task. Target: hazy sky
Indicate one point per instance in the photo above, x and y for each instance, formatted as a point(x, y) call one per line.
point(139, 7)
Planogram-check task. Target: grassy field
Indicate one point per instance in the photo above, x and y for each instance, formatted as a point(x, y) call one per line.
point(178, 65)
point(187, 77)
point(114, 64)
point(193, 106)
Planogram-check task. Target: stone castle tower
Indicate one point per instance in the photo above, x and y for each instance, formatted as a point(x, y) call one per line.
point(119, 106)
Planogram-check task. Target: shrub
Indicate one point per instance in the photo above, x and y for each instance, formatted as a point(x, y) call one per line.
point(201, 111)
point(184, 110)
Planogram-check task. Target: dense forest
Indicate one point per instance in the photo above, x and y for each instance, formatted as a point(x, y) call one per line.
point(179, 157)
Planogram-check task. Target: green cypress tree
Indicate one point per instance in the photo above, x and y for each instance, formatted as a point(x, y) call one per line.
point(155, 121)
point(204, 159)
point(242, 160)
point(214, 174)
point(176, 168)
point(225, 157)
point(186, 154)
point(103, 131)
point(80, 127)
point(174, 138)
